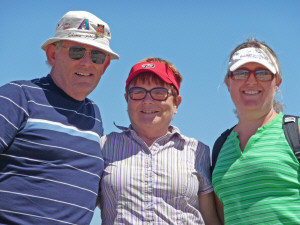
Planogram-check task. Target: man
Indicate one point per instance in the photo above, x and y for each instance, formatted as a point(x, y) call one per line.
point(50, 158)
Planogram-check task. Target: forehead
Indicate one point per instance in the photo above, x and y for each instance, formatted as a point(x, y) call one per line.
point(252, 66)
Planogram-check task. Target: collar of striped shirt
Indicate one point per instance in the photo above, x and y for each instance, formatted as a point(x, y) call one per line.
point(173, 130)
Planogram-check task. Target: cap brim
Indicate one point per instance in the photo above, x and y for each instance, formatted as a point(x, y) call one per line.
point(249, 60)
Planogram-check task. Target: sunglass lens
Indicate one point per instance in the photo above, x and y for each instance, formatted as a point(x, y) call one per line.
point(98, 57)
point(76, 52)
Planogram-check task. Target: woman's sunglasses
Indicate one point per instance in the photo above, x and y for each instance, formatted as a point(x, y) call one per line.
point(243, 74)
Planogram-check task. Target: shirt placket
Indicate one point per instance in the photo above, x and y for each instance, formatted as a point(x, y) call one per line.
point(148, 189)
point(150, 152)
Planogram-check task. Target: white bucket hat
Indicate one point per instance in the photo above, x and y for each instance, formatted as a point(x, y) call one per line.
point(246, 55)
point(85, 28)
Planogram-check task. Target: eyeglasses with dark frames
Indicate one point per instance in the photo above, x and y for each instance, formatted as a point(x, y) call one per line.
point(243, 74)
point(158, 94)
point(77, 52)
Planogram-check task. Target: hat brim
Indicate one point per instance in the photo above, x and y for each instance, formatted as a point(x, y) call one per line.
point(160, 69)
point(249, 60)
point(103, 47)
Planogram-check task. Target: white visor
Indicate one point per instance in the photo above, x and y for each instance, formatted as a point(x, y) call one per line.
point(247, 55)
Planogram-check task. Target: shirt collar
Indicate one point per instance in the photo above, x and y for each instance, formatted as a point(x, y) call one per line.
point(173, 130)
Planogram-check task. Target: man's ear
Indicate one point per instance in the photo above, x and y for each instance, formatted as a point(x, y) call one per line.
point(51, 54)
point(126, 97)
point(106, 63)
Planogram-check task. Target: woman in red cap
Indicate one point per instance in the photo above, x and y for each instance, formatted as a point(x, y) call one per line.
point(154, 174)
point(256, 177)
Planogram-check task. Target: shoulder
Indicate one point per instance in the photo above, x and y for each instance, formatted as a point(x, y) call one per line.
point(193, 143)
point(90, 103)
point(17, 84)
point(116, 143)
point(24, 86)
point(16, 90)
point(112, 137)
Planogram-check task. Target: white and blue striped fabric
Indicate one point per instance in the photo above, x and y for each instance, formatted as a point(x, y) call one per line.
point(50, 157)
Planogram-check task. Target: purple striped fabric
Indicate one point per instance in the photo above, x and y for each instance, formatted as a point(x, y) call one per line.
point(153, 185)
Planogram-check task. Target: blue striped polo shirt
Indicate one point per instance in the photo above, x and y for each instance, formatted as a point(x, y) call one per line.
point(50, 157)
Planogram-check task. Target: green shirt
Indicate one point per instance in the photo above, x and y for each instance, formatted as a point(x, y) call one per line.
point(262, 184)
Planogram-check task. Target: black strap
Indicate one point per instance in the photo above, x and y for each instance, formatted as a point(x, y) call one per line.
point(291, 131)
point(218, 145)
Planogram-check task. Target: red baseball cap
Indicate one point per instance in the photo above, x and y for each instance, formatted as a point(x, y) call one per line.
point(160, 69)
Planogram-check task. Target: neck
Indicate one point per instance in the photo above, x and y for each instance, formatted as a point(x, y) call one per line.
point(149, 136)
point(248, 125)
point(256, 120)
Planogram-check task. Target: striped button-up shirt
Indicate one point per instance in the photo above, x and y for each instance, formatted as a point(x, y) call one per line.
point(153, 185)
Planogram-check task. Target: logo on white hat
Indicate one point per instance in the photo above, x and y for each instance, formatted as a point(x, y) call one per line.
point(100, 29)
point(84, 25)
point(66, 26)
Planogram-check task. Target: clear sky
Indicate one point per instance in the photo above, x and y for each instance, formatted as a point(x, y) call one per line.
point(197, 36)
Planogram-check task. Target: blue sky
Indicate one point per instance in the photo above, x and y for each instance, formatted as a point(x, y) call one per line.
point(197, 36)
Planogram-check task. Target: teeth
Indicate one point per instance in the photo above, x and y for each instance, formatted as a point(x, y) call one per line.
point(251, 92)
point(83, 74)
point(148, 112)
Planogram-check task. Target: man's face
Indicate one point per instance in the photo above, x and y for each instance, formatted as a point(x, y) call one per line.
point(77, 78)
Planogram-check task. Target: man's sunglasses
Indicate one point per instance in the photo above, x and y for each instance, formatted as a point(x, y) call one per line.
point(139, 93)
point(243, 74)
point(76, 53)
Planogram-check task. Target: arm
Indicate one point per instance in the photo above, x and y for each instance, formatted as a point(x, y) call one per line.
point(220, 208)
point(208, 209)
point(98, 202)
point(207, 204)
point(13, 111)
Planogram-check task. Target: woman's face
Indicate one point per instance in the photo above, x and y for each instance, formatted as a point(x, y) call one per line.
point(151, 115)
point(252, 95)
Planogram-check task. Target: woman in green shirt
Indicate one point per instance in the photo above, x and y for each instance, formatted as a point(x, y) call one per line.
point(256, 177)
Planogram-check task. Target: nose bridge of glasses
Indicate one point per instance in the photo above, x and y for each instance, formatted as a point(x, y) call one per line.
point(252, 76)
point(252, 72)
point(148, 95)
point(96, 56)
point(86, 57)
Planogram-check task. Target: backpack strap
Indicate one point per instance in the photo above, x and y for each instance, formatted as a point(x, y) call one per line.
point(291, 131)
point(217, 147)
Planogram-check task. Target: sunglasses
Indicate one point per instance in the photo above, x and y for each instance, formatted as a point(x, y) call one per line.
point(76, 53)
point(261, 75)
point(158, 94)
